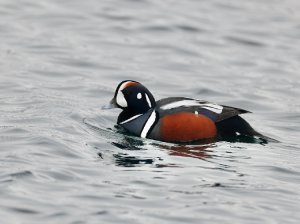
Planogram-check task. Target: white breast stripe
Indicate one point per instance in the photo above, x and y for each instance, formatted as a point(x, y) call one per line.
point(148, 100)
point(148, 124)
point(189, 103)
point(132, 118)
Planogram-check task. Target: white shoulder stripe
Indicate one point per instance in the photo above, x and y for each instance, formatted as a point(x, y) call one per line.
point(189, 103)
point(148, 124)
point(132, 118)
point(148, 100)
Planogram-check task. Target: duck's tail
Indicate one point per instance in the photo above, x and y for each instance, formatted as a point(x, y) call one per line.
point(258, 135)
point(236, 126)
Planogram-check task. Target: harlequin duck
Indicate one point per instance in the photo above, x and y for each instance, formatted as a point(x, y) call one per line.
point(176, 119)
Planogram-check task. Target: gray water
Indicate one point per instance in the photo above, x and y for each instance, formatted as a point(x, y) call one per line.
point(62, 158)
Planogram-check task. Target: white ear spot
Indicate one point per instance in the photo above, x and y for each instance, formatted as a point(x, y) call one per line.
point(196, 112)
point(139, 96)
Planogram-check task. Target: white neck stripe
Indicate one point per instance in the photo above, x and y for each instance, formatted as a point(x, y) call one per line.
point(148, 100)
point(132, 118)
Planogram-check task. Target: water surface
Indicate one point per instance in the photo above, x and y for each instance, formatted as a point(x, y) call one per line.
point(64, 161)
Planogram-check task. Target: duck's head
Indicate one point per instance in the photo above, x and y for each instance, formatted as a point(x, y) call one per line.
point(132, 97)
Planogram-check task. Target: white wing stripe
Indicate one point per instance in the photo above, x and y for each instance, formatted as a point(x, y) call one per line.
point(218, 111)
point(148, 124)
point(185, 103)
point(188, 103)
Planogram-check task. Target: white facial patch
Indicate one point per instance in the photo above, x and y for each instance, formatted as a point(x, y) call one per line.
point(189, 103)
point(139, 96)
point(148, 100)
point(120, 99)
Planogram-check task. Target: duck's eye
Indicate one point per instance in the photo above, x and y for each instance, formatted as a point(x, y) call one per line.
point(127, 93)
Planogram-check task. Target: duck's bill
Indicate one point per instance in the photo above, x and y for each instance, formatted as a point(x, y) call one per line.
point(112, 104)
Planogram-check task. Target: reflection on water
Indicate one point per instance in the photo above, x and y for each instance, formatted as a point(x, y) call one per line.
point(201, 149)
